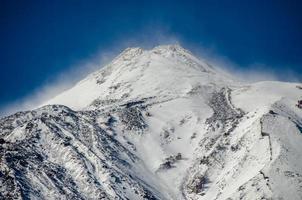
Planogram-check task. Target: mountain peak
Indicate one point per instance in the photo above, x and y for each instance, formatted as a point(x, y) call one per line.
point(165, 70)
point(170, 47)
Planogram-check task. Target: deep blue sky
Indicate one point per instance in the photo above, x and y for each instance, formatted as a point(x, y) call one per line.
point(41, 39)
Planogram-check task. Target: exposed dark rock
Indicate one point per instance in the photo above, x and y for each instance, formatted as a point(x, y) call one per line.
point(132, 118)
point(225, 117)
point(299, 104)
point(198, 184)
point(170, 162)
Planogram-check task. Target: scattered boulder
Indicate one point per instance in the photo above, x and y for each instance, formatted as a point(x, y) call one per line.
point(178, 156)
point(193, 136)
point(204, 160)
point(2, 141)
point(166, 165)
point(299, 104)
point(272, 112)
point(299, 87)
point(170, 162)
point(110, 121)
point(198, 184)
point(234, 147)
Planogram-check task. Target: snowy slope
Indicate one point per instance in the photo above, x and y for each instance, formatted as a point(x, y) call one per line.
point(157, 124)
point(165, 71)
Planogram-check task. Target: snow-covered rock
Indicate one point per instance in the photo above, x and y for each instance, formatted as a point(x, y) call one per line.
point(157, 124)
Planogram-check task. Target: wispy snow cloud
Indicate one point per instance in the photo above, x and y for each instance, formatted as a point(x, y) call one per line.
point(147, 39)
point(63, 81)
point(253, 72)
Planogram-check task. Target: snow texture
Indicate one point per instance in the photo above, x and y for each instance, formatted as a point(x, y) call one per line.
point(157, 124)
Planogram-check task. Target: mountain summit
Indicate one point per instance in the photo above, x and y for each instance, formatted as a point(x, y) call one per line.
point(157, 124)
point(164, 71)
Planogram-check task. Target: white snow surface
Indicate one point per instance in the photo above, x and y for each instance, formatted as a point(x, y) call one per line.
point(234, 140)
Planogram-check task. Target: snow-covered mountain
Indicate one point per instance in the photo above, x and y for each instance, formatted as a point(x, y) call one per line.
point(157, 124)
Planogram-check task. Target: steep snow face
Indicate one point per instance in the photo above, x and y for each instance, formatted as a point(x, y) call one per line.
point(165, 71)
point(157, 124)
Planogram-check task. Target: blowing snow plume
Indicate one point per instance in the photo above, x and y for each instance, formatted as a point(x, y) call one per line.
point(67, 79)
point(252, 73)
